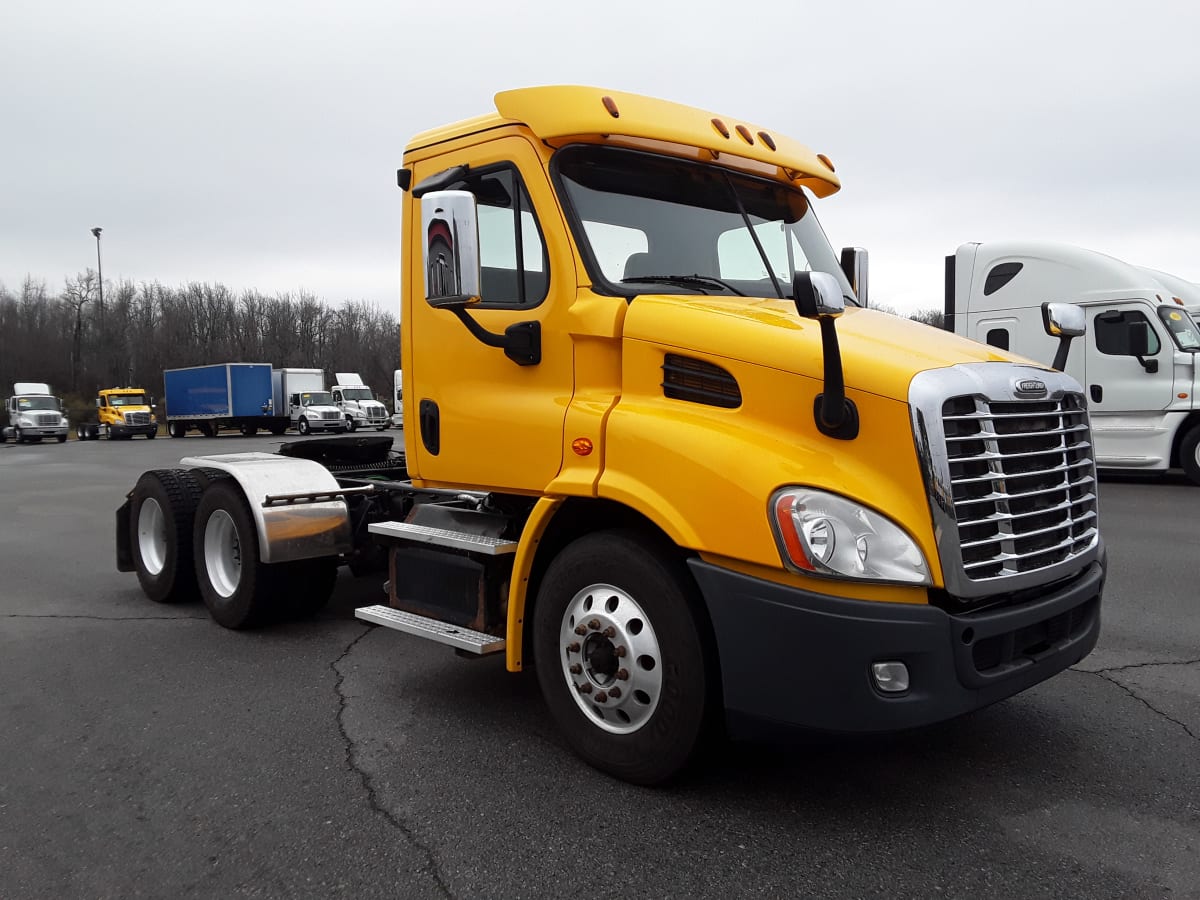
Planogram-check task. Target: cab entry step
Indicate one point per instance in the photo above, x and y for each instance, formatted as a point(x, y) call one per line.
point(432, 629)
point(442, 537)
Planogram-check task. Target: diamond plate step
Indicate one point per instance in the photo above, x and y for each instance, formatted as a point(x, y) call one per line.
point(443, 537)
point(432, 629)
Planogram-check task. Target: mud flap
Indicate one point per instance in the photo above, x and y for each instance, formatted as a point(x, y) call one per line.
point(124, 550)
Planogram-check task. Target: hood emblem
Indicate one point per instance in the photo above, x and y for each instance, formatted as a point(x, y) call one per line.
point(1029, 387)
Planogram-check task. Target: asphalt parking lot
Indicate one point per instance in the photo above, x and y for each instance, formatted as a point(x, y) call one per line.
point(147, 752)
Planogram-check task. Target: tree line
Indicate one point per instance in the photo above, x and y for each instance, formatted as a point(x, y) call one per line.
point(78, 346)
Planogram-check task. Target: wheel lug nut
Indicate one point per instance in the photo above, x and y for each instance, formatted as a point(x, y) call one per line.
point(576, 668)
point(585, 688)
point(594, 625)
point(614, 692)
point(601, 697)
point(610, 632)
point(579, 629)
point(573, 647)
point(622, 674)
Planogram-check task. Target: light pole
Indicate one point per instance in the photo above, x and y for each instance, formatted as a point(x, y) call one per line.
point(99, 274)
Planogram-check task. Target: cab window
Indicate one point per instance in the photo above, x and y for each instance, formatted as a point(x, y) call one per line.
point(1115, 330)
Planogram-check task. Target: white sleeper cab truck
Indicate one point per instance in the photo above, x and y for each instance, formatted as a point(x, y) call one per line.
point(398, 398)
point(357, 402)
point(310, 407)
point(34, 413)
point(1137, 362)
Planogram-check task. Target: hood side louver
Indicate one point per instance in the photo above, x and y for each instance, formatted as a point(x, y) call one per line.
point(698, 381)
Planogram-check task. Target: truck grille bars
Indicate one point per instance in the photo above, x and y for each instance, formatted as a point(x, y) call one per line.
point(137, 418)
point(1011, 480)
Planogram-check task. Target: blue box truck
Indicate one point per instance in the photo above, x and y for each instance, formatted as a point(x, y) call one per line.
point(224, 395)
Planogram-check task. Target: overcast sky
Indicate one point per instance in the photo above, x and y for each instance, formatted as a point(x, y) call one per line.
point(255, 143)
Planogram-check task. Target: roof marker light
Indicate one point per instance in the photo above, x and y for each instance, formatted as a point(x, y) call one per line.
point(721, 127)
point(767, 139)
point(745, 133)
point(611, 106)
point(826, 162)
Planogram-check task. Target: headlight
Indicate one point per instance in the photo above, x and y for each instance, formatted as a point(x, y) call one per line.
point(819, 533)
point(25, 420)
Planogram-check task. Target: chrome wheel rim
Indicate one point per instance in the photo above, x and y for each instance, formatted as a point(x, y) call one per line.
point(152, 536)
point(222, 553)
point(611, 658)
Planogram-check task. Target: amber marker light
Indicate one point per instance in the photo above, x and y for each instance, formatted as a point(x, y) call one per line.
point(611, 105)
point(745, 133)
point(582, 446)
point(825, 161)
point(722, 128)
point(767, 139)
point(787, 531)
point(1181, 396)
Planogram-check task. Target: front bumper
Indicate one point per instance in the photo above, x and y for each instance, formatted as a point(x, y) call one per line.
point(122, 430)
point(795, 659)
point(42, 430)
point(338, 424)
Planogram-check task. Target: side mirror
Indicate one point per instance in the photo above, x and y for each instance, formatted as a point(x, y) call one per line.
point(854, 267)
point(151, 401)
point(1066, 322)
point(1063, 320)
point(817, 295)
point(1139, 346)
point(97, 402)
point(450, 226)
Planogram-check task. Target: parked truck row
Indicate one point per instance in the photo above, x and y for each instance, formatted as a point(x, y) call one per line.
point(660, 452)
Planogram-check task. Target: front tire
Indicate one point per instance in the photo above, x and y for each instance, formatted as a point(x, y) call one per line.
point(302, 426)
point(620, 655)
point(17, 436)
point(1189, 455)
point(236, 587)
point(351, 424)
point(61, 438)
point(162, 508)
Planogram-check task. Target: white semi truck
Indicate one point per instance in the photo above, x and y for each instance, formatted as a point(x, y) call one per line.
point(357, 402)
point(1138, 359)
point(34, 413)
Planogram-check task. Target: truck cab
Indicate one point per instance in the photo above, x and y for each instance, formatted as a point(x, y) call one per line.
point(357, 402)
point(34, 413)
point(121, 413)
point(658, 450)
point(1138, 360)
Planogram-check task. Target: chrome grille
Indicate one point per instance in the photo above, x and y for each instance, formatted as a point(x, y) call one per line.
point(1011, 479)
point(43, 419)
point(1022, 482)
point(137, 418)
point(330, 414)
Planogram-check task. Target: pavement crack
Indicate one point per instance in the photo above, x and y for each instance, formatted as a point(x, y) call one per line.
point(1141, 665)
point(1142, 700)
point(373, 801)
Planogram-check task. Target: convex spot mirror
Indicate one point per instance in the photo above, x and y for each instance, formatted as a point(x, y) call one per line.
point(817, 295)
point(1063, 320)
point(450, 231)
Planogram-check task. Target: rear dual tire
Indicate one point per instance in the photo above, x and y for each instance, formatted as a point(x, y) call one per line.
point(162, 509)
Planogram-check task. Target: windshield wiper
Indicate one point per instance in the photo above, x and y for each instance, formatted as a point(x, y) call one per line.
point(685, 280)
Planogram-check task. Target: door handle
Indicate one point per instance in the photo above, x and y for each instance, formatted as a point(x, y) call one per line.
point(1097, 392)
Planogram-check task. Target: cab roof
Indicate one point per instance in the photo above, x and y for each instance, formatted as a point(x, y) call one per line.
point(560, 114)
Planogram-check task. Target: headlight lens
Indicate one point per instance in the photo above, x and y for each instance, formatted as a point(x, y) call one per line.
point(819, 533)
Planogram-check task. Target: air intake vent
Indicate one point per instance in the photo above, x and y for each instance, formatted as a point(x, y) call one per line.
point(697, 381)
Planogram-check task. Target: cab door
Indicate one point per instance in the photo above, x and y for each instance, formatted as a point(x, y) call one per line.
point(1118, 381)
point(474, 417)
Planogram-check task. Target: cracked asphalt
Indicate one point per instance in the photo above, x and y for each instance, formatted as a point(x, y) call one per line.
point(147, 752)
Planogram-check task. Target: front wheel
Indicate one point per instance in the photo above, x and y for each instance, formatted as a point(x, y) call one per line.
point(1189, 455)
point(17, 436)
point(351, 424)
point(620, 655)
point(302, 426)
point(61, 438)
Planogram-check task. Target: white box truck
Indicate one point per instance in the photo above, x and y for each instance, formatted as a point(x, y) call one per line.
point(309, 405)
point(358, 404)
point(1137, 360)
point(34, 413)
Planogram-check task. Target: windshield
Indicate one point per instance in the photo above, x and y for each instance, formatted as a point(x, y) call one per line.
point(685, 227)
point(127, 400)
point(24, 403)
point(356, 393)
point(1181, 326)
point(316, 398)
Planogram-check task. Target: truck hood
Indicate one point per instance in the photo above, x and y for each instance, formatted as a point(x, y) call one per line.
point(880, 352)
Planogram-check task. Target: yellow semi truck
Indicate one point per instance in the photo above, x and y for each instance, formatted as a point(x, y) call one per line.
point(121, 413)
point(659, 450)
